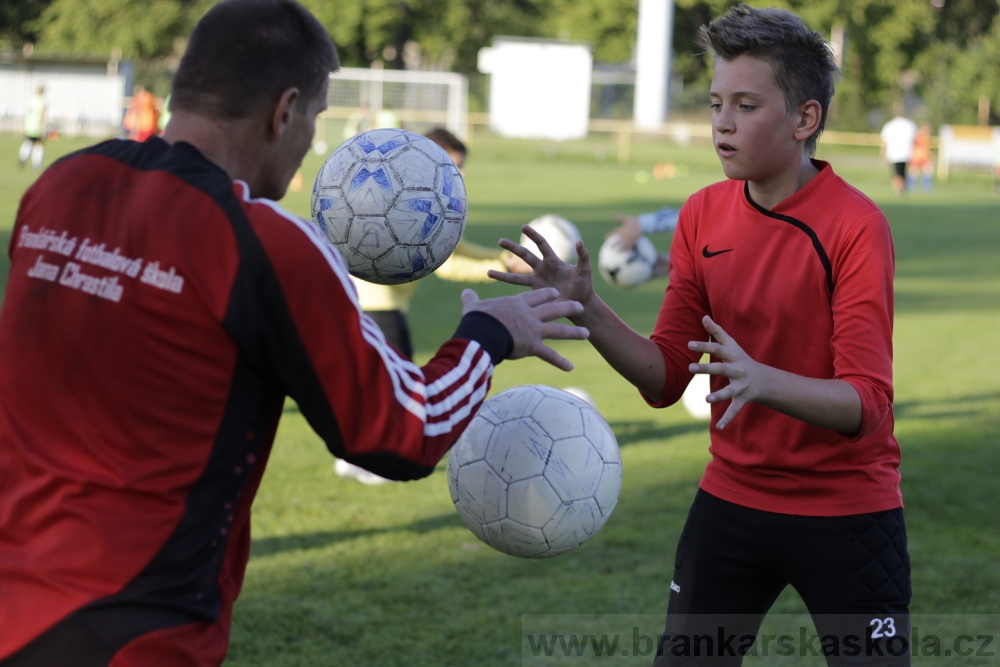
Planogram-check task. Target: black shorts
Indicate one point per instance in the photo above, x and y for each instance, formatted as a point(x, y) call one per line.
point(732, 562)
point(899, 169)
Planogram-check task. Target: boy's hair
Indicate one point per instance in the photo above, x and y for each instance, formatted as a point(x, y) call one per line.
point(802, 62)
point(243, 54)
point(447, 141)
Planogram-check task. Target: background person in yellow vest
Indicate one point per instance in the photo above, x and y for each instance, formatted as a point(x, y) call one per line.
point(388, 305)
point(164, 114)
point(34, 131)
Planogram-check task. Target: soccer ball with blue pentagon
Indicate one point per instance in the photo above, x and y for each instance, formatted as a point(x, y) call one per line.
point(537, 472)
point(392, 202)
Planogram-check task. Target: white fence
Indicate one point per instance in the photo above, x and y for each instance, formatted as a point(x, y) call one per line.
point(81, 99)
point(974, 146)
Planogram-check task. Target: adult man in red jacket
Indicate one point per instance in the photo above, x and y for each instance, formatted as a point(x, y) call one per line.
point(159, 310)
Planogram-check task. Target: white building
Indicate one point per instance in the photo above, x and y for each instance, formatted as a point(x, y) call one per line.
point(539, 88)
point(85, 95)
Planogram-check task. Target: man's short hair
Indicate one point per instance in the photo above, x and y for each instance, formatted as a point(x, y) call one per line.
point(802, 62)
point(243, 54)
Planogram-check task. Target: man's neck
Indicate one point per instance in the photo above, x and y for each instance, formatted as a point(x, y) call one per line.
point(235, 146)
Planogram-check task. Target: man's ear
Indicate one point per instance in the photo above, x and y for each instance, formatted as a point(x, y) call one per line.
point(808, 116)
point(281, 115)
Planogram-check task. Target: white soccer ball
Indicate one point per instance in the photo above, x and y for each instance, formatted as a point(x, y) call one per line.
point(392, 202)
point(693, 398)
point(560, 233)
point(537, 473)
point(623, 267)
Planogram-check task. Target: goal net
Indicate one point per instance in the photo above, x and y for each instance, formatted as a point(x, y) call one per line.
point(360, 99)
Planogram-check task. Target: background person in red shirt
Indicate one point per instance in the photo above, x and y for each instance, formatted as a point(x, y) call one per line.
point(142, 120)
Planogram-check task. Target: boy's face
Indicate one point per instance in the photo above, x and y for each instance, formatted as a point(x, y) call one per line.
point(753, 134)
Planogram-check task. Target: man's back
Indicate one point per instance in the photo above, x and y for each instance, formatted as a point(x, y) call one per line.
point(155, 319)
point(115, 309)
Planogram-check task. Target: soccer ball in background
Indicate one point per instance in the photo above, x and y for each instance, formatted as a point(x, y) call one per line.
point(560, 233)
point(579, 392)
point(629, 267)
point(392, 202)
point(537, 473)
point(693, 398)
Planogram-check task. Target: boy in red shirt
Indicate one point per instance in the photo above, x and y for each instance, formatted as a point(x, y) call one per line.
point(783, 274)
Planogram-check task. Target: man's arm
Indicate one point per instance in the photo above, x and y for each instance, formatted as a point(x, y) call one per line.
point(370, 405)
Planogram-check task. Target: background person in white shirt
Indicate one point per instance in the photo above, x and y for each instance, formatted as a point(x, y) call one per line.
point(897, 147)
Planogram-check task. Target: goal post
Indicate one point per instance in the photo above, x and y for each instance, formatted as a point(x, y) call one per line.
point(360, 99)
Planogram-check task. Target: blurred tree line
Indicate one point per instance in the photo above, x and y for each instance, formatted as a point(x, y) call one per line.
point(942, 56)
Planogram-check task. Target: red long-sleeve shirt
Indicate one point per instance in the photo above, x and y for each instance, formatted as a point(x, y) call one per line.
point(806, 288)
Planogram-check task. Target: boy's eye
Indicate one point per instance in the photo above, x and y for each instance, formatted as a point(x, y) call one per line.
point(715, 106)
point(747, 107)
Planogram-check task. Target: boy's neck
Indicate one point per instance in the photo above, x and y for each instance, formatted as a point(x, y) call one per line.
point(768, 193)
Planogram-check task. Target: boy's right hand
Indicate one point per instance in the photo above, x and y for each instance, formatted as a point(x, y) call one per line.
point(573, 282)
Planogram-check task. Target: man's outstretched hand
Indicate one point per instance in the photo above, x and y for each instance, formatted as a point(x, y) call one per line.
point(528, 317)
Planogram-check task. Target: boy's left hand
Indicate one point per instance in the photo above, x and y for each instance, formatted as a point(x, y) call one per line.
point(745, 375)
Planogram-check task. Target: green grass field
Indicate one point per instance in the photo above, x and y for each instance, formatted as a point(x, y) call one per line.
point(346, 574)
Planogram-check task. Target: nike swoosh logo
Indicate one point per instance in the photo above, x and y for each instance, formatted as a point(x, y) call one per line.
point(705, 252)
